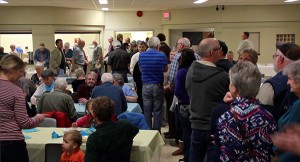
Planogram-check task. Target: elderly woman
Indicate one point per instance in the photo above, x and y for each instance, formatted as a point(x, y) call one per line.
point(13, 111)
point(36, 78)
point(249, 55)
point(128, 92)
point(80, 79)
point(243, 133)
point(292, 116)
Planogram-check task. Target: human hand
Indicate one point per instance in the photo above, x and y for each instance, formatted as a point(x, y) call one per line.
point(74, 125)
point(82, 100)
point(41, 117)
point(228, 98)
point(288, 139)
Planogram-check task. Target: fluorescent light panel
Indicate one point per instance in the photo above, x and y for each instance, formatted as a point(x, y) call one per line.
point(105, 9)
point(288, 1)
point(200, 1)
point(103, 2)
point(1, 1)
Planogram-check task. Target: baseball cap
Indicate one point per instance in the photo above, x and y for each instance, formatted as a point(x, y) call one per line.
point(284, 47)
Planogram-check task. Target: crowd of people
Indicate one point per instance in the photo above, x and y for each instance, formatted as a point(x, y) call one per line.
point(216, 107)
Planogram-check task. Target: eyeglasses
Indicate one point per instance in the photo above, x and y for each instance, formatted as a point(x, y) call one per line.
point(275, 55)
point(178, 44)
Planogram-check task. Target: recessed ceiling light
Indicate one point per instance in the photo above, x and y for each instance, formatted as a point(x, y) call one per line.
point(103, 2)
point(200, 1)
point(288, 1)
point(105, 9)
point(2, 1)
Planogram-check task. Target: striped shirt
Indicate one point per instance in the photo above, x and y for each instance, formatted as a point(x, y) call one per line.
point(152, 64)
point(13, 115)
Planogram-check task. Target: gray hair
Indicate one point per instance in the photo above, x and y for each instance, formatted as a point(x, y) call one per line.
point(107, 77)
point(60, 83)
point(292, 70)
point(206, 45)
point(118, 78)
point(116, 43)
point(153, 42)
point(39, 65)
point(185, 41)
point(79, 72)
point(246, 78)
point(252, 54)
point(67, 44)
point(47, 73)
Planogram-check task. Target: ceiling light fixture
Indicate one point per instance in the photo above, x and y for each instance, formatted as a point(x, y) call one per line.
point(200, 1)
point(105, 9)
point(289, 1)
point(3, 2)
point(103, 2)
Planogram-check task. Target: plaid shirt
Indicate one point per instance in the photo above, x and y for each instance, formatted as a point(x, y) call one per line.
point(174, 67)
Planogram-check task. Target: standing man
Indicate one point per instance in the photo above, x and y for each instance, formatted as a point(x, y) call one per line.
point(275, 92)
point(109, 50)
point(97, 57)
point(2, 52)
point(224, 63)
point(153, 64)
point(78, 59)
point(57, 59)
point(13, 50)
point(206, 85)
point(120, 39)
point(119, 60)
point(42, 55)
point(245, 44)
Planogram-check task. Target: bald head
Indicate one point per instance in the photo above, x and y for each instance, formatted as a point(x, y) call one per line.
point(209, 49)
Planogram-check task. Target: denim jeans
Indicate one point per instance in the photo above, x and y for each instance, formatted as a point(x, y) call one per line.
point(153, 99)
point(184, 116)
point(199, 144)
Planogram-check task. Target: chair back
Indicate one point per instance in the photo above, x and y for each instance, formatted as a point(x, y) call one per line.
point(48, 122)
point(53, 152)
point(70, 80)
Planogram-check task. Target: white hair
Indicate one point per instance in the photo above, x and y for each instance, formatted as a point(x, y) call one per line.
point(39, 65)
point(153, 42)
point(107, 77)
point(116, 43)
point(60, 83)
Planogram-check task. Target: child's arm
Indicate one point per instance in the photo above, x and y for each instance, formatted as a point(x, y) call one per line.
point(81, 121)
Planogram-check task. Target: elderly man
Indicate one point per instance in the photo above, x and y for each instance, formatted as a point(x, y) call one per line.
point(57, 59)
point(128, 92)
point(275, 93)
point(84, 90)
point(37, 77)
point(42, 55)
point(78, 59)
point(119, 60)
point(111, 91)
point(58, 100)
point(245, 44)
point(48, 84)
point(13, 50)
point(206, 85)
point(97, 56)
point(153, 64)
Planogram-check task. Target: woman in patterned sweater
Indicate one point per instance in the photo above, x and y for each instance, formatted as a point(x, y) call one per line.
point(243, 133)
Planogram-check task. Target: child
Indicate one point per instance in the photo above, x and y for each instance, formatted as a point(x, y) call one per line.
point(112, 141)
point(87, 120)
point(71, 147)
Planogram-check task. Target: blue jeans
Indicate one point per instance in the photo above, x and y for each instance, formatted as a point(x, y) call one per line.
point(153, 99)
point(184, 116)
point(199, 144)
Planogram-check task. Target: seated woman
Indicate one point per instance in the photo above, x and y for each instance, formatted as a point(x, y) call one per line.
point(244, 132)
point(80, 75)
point(36, 78)
point(292, 116)
point(128, 92)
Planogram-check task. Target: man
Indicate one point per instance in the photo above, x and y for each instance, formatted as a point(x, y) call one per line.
point(57, 59)
point(111, 91)
point(275, 93)
point(84, 91)
point(42, 55)
point(78, 59)
point(224, 63)
point(47, 85)
point(153, 64)
point(128, 91)
point(245, 44)
point(58, 101)
point(120, 39)
point(206, 85)
point(230, 57)
point(142, 46)
point(2, 52)
point(119, 60)
point(97, 56)
point(109, 50)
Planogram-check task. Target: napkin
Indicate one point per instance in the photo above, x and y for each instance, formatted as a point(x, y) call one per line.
point(55, 135)
point(27, 137)
point(30, 130)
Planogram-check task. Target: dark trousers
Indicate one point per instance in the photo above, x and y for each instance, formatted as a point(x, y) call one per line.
point(178, 133)
point(199, 144)
point(170, 115)
point(13, 151)
point(184, 116)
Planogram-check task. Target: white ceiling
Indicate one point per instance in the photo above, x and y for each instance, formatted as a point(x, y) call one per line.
point(135, 5)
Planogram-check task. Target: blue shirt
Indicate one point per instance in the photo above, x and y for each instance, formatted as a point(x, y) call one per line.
point(128, 91)
point(152, 64)
point(42, 56)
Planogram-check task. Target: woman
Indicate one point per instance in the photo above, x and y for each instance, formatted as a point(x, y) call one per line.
point(243, 133)
point(13, 111)
point(80, 79)
point(292, 116)
point(37, 77)
point(249, 55)
point(187, 58)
